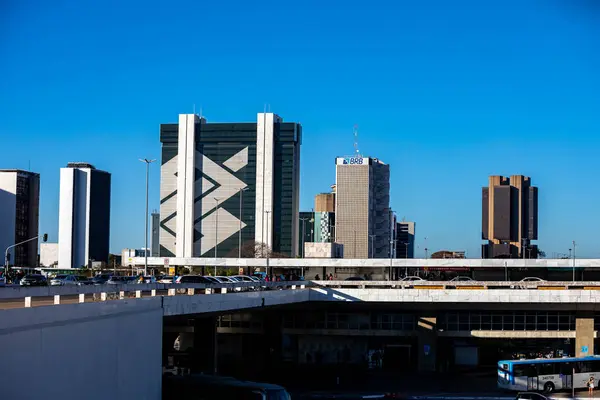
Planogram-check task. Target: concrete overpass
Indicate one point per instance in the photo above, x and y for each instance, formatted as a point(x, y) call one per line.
point(116, 333)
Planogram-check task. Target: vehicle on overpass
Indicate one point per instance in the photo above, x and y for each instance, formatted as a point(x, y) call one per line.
point(547, 374)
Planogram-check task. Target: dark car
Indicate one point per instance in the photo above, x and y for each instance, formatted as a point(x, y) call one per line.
point(34, 280)
point(530, 396)
point(193, 279)
point(100, 279)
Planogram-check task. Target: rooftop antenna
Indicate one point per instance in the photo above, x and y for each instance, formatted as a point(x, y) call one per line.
point(356, 140)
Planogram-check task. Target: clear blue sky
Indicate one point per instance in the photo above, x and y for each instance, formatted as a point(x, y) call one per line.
point(447, 92)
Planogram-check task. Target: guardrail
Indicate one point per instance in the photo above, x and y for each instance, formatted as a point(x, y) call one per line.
point(89, 293)
point(462, 285)
point(21, 296)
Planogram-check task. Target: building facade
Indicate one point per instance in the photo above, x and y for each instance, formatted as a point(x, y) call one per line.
point(48, 254)
point(325, 202)
point(306, 230)
point(509, 217)
point(405, 239)
point(363, 218)
point(84, 216)
point(222, 183)
point(19, 215)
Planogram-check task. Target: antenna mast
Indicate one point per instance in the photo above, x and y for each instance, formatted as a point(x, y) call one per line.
point(356, 140)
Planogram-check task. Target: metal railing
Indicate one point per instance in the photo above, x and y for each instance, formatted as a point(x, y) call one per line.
point(48, 295)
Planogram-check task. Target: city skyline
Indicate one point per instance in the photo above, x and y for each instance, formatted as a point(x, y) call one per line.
point(445, 114)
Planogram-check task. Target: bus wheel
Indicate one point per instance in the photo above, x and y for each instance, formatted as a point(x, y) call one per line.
point(549, 387)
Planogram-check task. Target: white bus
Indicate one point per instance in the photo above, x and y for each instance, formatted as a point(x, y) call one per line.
point(547, 374)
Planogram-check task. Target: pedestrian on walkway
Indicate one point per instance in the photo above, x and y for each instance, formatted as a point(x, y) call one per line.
point(590, 386)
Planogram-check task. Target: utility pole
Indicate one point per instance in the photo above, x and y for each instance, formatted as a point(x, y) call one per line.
point(372, 246)
point(148, 162)
point(574, 260)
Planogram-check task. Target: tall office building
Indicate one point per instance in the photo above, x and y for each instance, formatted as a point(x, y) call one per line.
point(405, 239)
point(306, 230)
point(84, 216)
point(325, 202)
point(19, 215)
point(509, 217)
point(155, 243)
point(363, 219)
point(212, 170)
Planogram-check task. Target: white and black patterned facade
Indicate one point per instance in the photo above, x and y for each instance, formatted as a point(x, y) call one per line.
point(219, 177)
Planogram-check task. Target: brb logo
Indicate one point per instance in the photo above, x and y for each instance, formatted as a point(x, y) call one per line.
point(353, 160)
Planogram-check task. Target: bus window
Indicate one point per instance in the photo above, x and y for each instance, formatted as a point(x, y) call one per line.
point(528, 370)
point(566, 368)
point(585, 366)
point(546, 369)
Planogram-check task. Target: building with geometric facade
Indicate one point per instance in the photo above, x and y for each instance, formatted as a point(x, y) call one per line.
point(509, 217)
point(363, 218)
point(222, 183)
point(19, 215)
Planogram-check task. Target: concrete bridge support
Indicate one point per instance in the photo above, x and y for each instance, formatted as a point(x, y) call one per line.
point(584, 334)
point(427, 343)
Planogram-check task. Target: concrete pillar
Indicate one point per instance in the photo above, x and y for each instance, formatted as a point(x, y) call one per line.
point(427, 344)
point(205, 345)
point(584, 334)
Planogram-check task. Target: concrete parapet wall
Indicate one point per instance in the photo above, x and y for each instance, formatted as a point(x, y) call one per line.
point(179, 305)
point(109, 350)
point(458, 296)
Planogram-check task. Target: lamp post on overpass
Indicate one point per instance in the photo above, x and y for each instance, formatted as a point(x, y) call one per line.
point(574, 260)
point(6, 266)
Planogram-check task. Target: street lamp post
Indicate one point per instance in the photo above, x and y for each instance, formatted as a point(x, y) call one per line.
point(372, 246)
point(6, 266)
point(574, 260)
point(216, 232)
point(303, 234)
point(148, 162)
point(242, 190)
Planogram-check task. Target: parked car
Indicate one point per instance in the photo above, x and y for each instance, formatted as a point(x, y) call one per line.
point(34, 280)
point(166, 279)
point(530, 396)
point(412, 279)
point(212, 279)
point(461, 279)
point(100, 279)
point(193, 279)
point(63, 280)
point(83, 280)
point(532, 279)
point(522, 283)
point(119, 280)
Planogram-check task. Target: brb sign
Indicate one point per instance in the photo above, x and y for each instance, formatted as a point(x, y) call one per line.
point(352, 161)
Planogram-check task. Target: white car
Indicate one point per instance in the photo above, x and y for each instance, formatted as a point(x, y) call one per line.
point(64, 280)
point(461, 279)
point(532, 279)
point(412, 279)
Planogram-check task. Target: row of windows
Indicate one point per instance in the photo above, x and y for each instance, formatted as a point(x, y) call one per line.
point(507, 321)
